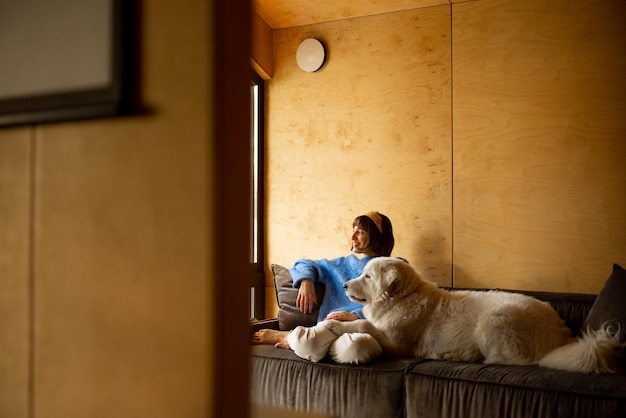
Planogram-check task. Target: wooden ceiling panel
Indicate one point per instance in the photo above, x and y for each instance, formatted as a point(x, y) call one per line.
point(289, 13)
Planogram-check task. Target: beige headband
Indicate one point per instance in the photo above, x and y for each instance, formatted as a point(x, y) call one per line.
point(377, 219)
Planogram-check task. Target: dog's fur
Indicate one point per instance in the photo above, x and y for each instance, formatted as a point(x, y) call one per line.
point(411, 317)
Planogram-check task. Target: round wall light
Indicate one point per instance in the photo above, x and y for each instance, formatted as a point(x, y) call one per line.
point(310, 55)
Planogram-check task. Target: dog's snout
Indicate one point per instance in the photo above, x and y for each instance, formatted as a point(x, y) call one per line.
point(345, 286)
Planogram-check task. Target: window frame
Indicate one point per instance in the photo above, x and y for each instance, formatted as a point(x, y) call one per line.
point(257, 162)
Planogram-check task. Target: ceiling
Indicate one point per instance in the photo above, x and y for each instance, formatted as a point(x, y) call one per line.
point(288, 13)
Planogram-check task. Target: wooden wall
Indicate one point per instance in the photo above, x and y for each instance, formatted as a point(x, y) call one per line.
point(15, 311)
point(371, 130)
point(539, 143)
point(105, 286)
point(489, 132)
point(113, 233)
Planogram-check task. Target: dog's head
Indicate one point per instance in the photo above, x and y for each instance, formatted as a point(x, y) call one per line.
point(382, 279)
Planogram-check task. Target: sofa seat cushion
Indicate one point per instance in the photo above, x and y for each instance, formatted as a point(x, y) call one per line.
point(439, 388)
point(280, 378)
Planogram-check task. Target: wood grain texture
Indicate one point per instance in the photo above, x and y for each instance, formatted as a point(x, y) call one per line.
point(289, 13)
point(539, 147)
point(369, 131)
point(15, 290)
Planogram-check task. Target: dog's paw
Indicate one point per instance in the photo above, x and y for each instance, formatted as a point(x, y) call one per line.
point(451, 356)
point(333, 325)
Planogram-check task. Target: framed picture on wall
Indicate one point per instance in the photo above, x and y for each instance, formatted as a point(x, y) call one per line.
point(63, 60)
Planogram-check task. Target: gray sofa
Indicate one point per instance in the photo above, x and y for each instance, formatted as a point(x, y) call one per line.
point(428, 388)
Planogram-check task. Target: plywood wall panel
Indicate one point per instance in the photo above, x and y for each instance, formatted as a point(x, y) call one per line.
point(539, 144)
point(123, 296)
point(15, 289)
point(371, 130)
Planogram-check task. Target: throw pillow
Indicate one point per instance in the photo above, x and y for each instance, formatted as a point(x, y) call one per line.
point(609, 306)
point(289, 316)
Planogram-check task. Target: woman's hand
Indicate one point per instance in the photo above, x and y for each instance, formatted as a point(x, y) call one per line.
point(306, 299)
point(343, 316)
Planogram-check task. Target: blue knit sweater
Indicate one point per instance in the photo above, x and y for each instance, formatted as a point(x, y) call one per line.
point(333, 274)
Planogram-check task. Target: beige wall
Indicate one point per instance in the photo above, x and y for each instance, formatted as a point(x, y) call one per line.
point(490, 132)
point(111, 236)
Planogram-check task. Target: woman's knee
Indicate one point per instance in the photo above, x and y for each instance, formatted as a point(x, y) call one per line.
point(311, 343)
point(355, 348)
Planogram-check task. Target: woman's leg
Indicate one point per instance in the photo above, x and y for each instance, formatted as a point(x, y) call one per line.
point(271, 336)
point(315, 342)
point(355, 348)
point(311, 343)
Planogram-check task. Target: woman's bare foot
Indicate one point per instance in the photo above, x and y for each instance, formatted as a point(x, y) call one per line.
point(271, 336)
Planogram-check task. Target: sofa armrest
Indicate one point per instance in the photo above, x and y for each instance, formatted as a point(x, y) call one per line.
point(271, 323)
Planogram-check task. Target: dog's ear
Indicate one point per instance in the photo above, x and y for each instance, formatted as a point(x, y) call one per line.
point(390, 279)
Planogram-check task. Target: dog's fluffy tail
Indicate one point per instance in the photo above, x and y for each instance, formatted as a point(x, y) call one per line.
point(593, 352)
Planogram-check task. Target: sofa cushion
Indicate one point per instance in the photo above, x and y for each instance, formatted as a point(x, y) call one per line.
point(447, 389)
point(610, 305)
point(280, 378)
point(289, 316)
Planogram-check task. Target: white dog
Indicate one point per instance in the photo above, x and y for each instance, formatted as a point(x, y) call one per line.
point(411, 317)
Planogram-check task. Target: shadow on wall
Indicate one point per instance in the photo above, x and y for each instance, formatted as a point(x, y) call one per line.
point(469, 282)
point(433, 257)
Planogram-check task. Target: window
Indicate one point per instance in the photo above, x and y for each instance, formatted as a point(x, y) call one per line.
point(257, 287)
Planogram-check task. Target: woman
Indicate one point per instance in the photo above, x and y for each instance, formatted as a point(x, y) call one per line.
point(372, 236)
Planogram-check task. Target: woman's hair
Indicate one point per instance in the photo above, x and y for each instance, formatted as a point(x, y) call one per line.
point(381, 240)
